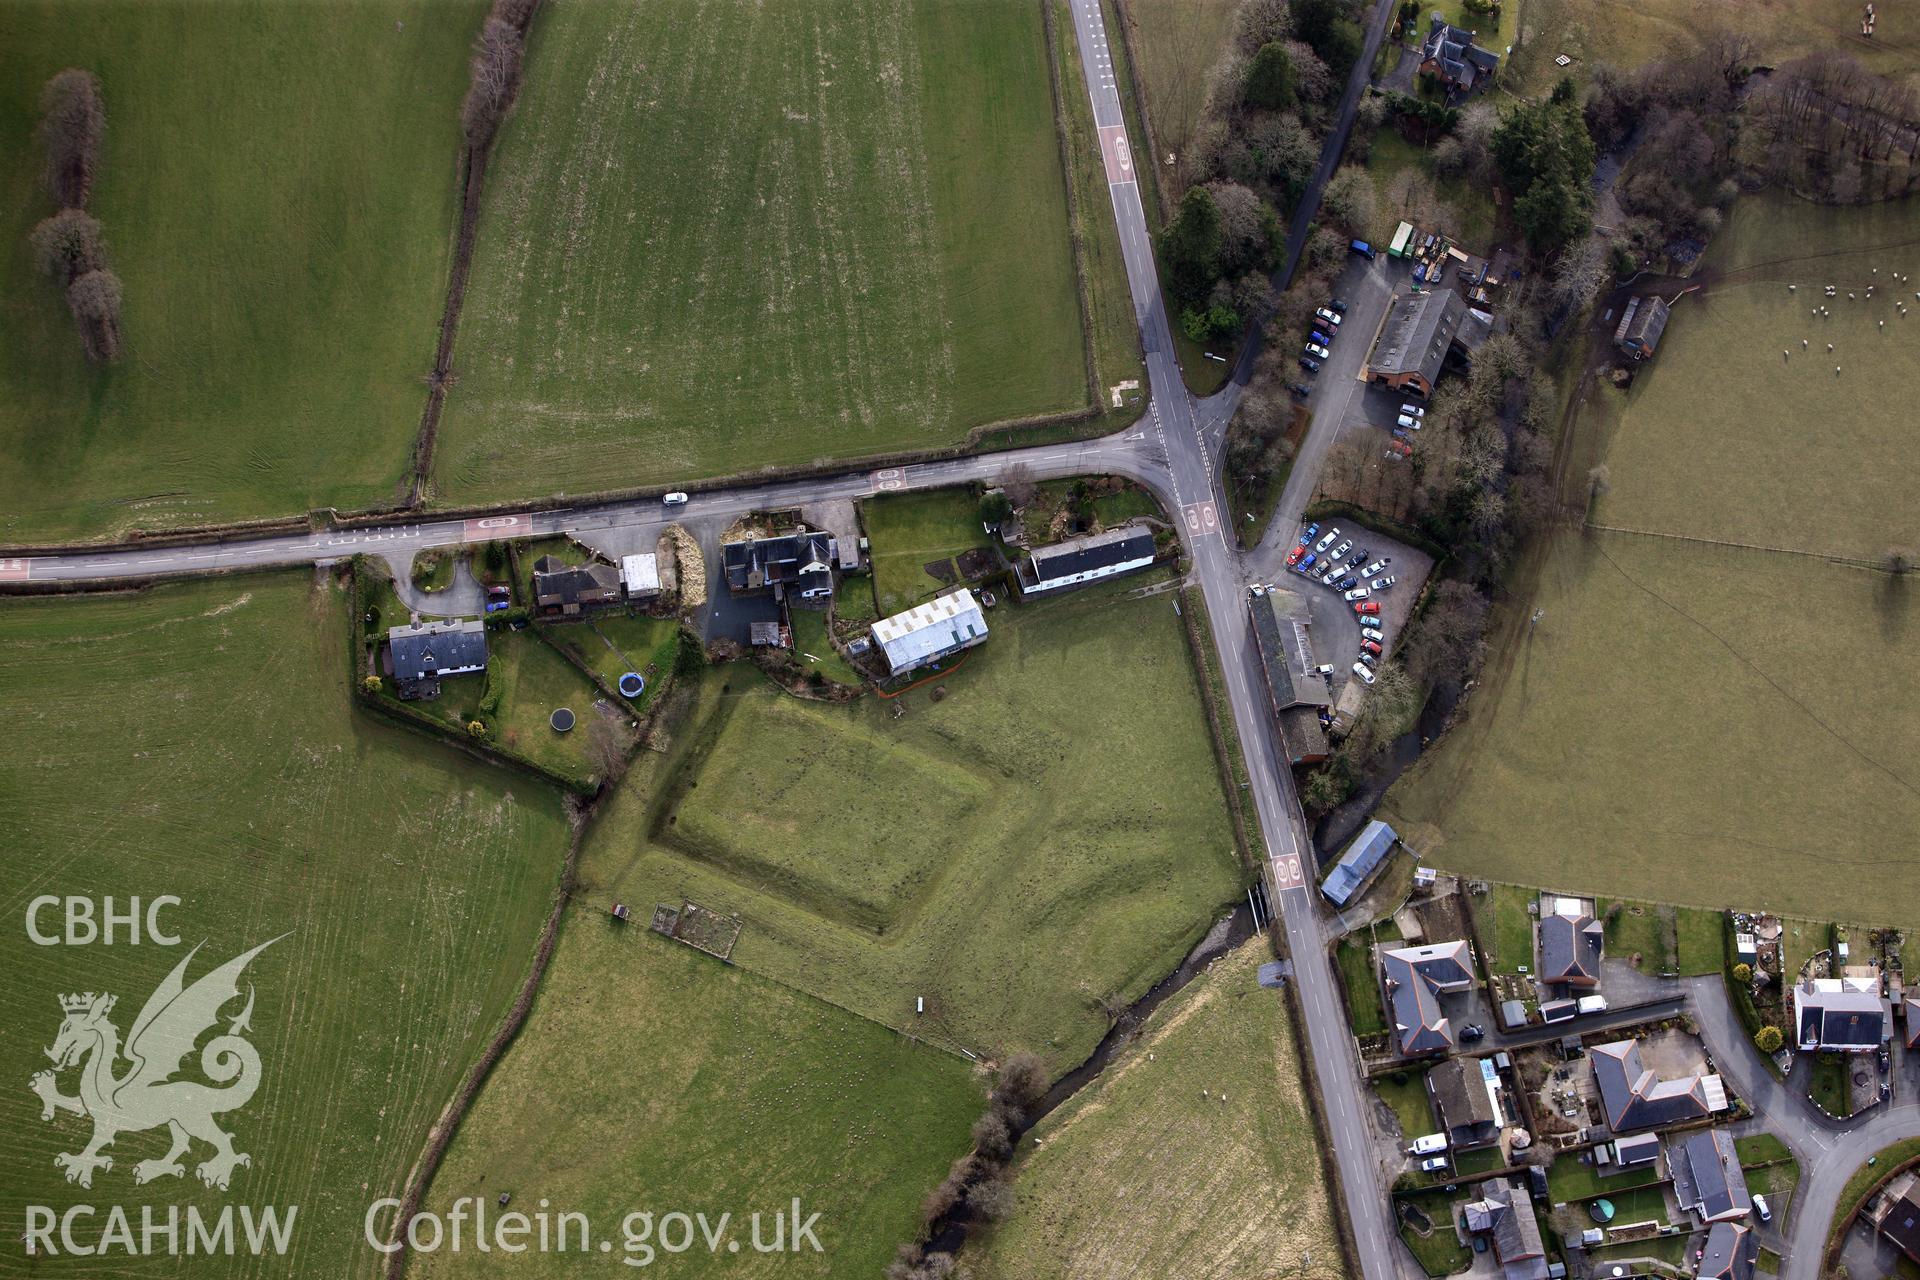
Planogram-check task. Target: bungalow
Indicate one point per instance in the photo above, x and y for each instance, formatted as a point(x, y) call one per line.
point(1415, 979)
point(797, 566)
point(1506, 1216)
point(1298, 693)
point(1731, 1253)
point(570, 588)
point(931, 631)
point(1415, 340)
point(1840, 1015)
point(1640, 327)
point(1570, 945)
point(420, 653)
point(1707, 1178)
point(1078, 560)
point(1357, 865)
point(1465, 1095)
point(1633, 1097)
point(1454, 57)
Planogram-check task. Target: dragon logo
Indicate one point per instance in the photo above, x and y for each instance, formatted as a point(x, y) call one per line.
point(145, 1095)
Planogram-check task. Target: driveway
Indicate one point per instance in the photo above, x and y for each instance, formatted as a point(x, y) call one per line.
point(462, 598)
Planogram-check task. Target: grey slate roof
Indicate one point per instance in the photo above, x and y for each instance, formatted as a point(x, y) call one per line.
point(1415, 978)
point(1280, 633)
point(1506, 1215)
point(1642, 325)
point(555, 582)
point(1454, 54)
point(1570, 949)
point(1419, 328)
point(1634, 1098)
point(1641, 1148)
point(1096, 551)
point(422, 650)
point(794, 562)
point(1846, 1020)
point(1362, 858)
point(1460, 1096)
point(1902, 1222)
point(1707, 1176)
point(1731, 1252)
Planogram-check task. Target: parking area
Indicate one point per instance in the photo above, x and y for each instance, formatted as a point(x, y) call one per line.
point(1337, 632)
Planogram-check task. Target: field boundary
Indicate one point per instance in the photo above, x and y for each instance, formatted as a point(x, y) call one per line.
point(1082, 288)
point(1830, 557)
point(1228, 762)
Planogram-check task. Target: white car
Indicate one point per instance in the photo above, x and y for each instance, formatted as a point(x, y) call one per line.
point(1413, 410)
point(1331, 576)
point(1358, 593)
point(1327, 539)
point(1761, 1207)
point(1366, 675)
point(1374, 634)
point(1433, 1164)
point(1407, 424)
point(1327, 316)
point(675, 499)
point(1429, 1145)
point(1381, 584)
point(1377, 565)
point(1317, 351)
point(1341, 550)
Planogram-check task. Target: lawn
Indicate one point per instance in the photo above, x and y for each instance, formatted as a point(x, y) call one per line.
point(1829, 1088)
point(1509, 931)
point(1357, 973)
point(1571, 1178)
point(1405, 189)
point(1773, 457)
point(1637, 1204)
point(1030, 854)
point(1192, 1155)
point(1405, 1091)
point(613, 644)
point(199, 741)
point(1439, 1252)
point(1703, 944)
point(812, 647)
point(909, 532)
point(281, 225)
point(1642, 929)
point(727, 238)
point(653, 1078)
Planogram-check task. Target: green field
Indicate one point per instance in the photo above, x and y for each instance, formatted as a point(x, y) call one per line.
point(281, 222)
point(1179, 41)
point(199, 741)
point(910, 532)
point(725, 238)
point(1144, 1174)
point(1667, 702)
point(653, 1078)
point(1015, 851)
point(1405, 188)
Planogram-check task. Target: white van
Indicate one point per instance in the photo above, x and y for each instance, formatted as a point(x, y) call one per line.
point(1429, 1145)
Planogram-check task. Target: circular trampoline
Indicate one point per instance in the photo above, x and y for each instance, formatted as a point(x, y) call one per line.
point(561, 719)
point(632, 684)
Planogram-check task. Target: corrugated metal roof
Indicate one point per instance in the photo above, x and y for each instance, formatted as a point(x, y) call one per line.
point(939, 626)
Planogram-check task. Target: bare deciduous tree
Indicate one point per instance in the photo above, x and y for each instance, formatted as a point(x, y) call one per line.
point(1019, 484)
point(73, 120)
point(495, 82)
point(68, 245)
point(95, 301)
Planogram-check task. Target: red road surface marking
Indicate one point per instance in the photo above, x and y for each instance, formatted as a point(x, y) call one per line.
point(491, 527)
point(15, 570)
point(1119, 157)
point(1287, 872)
point(889, 478)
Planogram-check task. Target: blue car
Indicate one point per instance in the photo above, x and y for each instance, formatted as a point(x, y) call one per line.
point(1306, 562)
point(1325, 340)
point(1309, 533)
point(1346, 584)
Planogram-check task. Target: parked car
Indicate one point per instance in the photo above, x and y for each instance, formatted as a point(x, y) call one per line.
point(1331, 317)
point(1360, 669)
point(1309, 533)
point(1359, 555)
point(1401, 447)
point(1358, 593)
point(1381, 584)
point(1337, 306)
point(1331, 576)
point(499, 597)
point(1471, 1032)
point(1377, 565)
point(1327, 539)
point(1346, 582)
point(1400, 433)
point(1317, 351)
point(1413, 410)
point(675, 499)
point(1371, 646)
point(1407, 423)
point(1761, 1207)
point(1367, 607)
point(1293, 556)
point(1306, 562)
point(1368, 659)
point(1362, 248)
point(1319, 338)
point(1371, 633)
point(1340, 551)
point(1300, 389)
point(1395, 457)
point(1431, 1144)
point(1309, 364)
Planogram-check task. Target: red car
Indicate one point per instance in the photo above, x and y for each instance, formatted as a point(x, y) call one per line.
point(1370, 647)
point(1367, 606)
point(1401, 447)
point(1293, 556)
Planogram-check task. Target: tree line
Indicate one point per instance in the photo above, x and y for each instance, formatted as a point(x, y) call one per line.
point(69, 246)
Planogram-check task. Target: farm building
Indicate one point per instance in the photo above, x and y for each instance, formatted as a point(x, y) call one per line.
point(1638, 334)
point(1298, 695)
point(1707, 1178)
point(797, 566)
point(1416, 978)
point(1839, 1015)
point(1414, 341)
point(1088, 559)
point(640, 575)
point(1731, 1253)
point(931, 631)
point(567, 589)
point(1504, 1215)
point(1636, 1098)
point(1357, 865)
point(1454, 57)
point(1570, 945)
point(421, 653)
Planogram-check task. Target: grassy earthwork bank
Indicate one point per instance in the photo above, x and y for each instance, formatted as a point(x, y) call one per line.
point(653, 1078)
point(1001, 842)
point(199, 741)
point(276, 188)
point(1193, 1154)
point(1665, 702)
point(725, 239)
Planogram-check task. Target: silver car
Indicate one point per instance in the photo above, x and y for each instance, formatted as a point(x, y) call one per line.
point(1377, 566)
point(1340, 550)
point(1358, 593)
point(1361, 669)
point(1327, 539)
point(1381, 584)
point(1373, 634)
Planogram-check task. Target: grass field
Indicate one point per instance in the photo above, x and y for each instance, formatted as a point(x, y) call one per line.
point(727, 238)
point(616, 643)
point(653, 1078)
point(281, 226)
point(911, 531)
point(1457, 206)
point(1362, 982)
point(1666, 703)
point(1179, 41)
point(1143, 1174)
point(1028, 852)
point(199, 741)
point(1590, 31)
